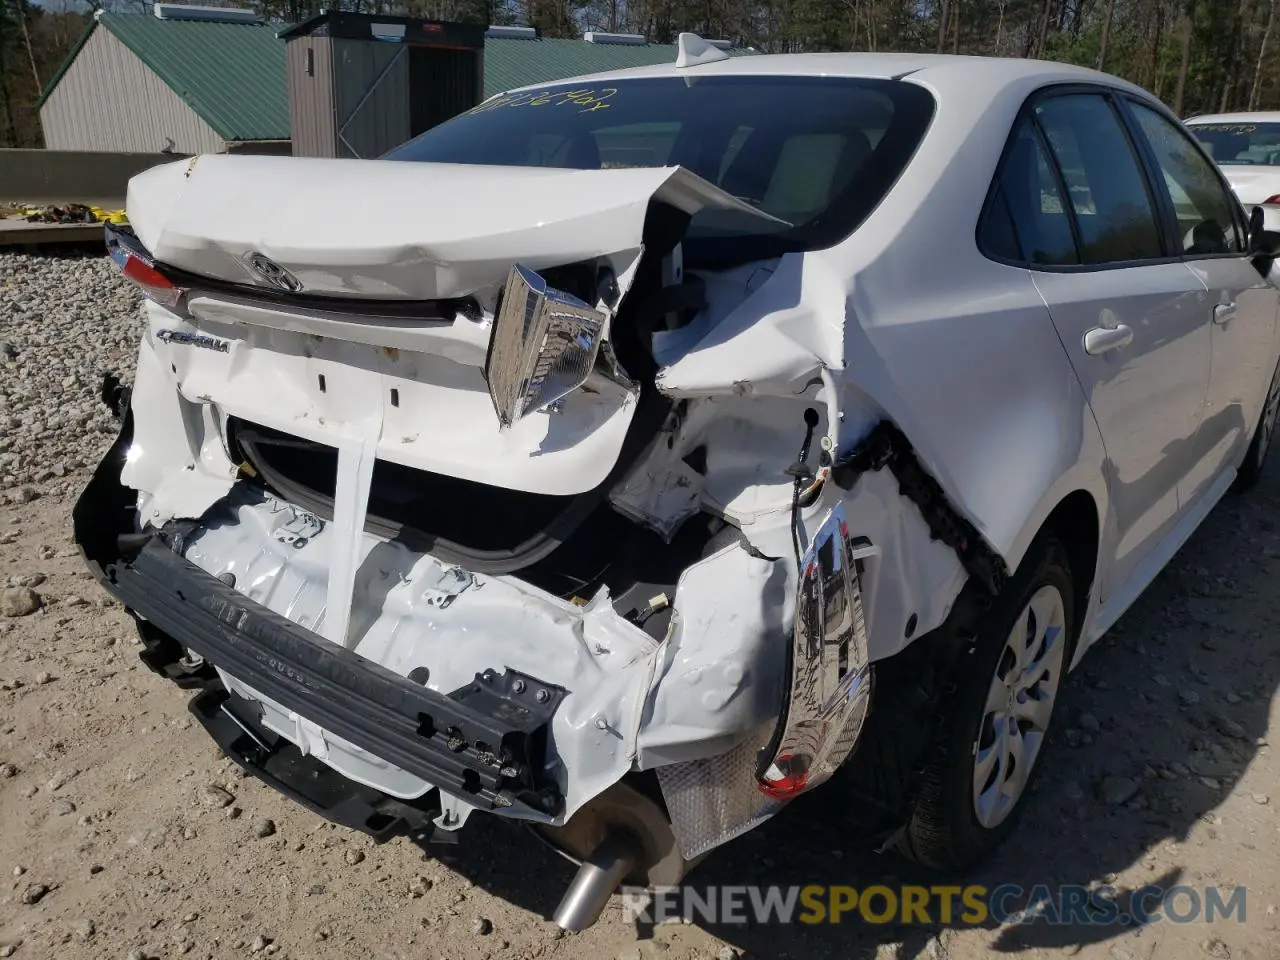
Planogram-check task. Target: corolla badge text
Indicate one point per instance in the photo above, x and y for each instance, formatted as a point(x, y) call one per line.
point(202, 340)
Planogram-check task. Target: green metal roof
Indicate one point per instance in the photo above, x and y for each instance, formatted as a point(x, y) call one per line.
point(511, 62)
point(231, 74)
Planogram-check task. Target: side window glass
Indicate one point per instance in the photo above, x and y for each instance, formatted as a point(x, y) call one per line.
point(1108, 192)
point(996, 234)
point(1206, 214)
point(1032, 202)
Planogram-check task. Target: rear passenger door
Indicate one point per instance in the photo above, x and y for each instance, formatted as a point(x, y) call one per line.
point(1208, 229)
point(1131, 315)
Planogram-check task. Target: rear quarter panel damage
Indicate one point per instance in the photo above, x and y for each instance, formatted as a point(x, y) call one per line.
point(918, 327)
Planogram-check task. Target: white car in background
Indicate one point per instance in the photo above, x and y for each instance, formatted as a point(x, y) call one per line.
point(625, 456)
point(1247, 148)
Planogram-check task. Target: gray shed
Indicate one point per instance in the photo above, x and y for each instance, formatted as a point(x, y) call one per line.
point(184, 78)
point(360, 84)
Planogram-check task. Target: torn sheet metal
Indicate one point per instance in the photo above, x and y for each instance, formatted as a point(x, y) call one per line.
point(768, 326)
point(886, 446)
point(662, 490)
point(660, 496)
point(723, 665)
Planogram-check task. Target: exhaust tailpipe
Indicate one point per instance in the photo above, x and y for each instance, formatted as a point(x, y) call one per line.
point(596, 880)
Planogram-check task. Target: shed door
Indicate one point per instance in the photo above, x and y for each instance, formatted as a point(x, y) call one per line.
point(442, 84)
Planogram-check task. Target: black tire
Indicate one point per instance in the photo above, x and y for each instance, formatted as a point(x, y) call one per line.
point(942, 829)
point(1250, 471)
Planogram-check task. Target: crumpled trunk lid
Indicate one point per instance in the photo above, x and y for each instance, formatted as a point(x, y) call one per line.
point(382, 229)
point(314, 363)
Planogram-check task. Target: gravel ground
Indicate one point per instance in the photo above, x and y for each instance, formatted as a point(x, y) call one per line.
point(125, 834)
point(62, 320)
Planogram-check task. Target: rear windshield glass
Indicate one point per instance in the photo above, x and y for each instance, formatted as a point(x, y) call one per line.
point(816, 152)
point(1240, 143)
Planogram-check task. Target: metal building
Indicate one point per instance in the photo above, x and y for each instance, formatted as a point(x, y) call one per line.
point(190, 80)
point(183, 79)
point(360, 84)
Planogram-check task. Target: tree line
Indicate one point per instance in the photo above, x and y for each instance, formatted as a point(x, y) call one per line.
point(1199, 56)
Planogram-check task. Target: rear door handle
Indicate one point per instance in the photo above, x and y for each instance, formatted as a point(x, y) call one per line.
point(1224, 313)
point(1100, 340)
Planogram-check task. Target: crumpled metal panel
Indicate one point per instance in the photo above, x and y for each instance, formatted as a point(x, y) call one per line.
point(410, 611)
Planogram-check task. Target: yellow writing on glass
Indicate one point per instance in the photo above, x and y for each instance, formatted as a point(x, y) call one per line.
point(1227, 127)
point(586, 100)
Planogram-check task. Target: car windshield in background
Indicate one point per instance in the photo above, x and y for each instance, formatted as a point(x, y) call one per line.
point(1240, 143)
point(816, 152)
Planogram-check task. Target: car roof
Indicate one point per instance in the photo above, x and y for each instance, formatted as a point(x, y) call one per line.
point(939, 70)
point(1259, 116)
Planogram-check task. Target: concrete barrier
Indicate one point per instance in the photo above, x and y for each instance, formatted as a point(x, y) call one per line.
point(71, 176)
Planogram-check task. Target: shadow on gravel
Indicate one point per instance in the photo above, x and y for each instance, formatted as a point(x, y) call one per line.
point(1173, 700)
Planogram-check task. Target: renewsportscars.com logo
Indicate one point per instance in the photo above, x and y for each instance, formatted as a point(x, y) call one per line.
point(964, 905)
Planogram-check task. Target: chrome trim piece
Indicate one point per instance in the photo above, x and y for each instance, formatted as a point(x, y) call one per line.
point(544, 346)
point(830, 676)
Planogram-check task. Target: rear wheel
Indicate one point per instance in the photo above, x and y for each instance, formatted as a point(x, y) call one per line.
point(1251, 470)
point(977, 773)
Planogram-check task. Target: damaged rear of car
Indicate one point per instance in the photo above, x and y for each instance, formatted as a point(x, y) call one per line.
point(585, 460)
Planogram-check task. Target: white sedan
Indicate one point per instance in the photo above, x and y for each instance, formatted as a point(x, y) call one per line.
point(627, 455)
point(1247, 148)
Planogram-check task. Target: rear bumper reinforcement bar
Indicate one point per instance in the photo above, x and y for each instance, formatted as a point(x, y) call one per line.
point(484, 742)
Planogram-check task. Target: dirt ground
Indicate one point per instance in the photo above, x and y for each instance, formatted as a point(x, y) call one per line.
point(114, 845)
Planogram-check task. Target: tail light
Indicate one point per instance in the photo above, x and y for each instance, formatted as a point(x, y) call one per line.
point(136, 264)
point(714, 799)
point(830, 676)
point(1274, 198)
point(544, 346)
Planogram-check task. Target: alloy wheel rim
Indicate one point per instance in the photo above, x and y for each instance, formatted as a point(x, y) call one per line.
point(1019, 705)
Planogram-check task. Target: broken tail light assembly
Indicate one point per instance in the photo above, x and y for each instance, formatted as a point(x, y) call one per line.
point(544, 346)
point(830, 679)
point(138, 265)
point(827, 696)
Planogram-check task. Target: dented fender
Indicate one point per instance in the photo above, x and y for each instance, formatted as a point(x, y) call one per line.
point(177, 461)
